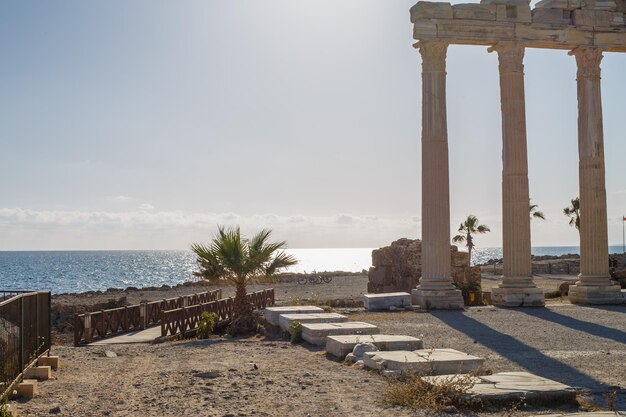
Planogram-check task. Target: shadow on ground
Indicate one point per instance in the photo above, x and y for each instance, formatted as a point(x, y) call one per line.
point(522, 354)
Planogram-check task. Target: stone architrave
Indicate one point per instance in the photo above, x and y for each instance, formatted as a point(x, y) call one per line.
point(594, 285)
point(517, 288)
point(435, 290)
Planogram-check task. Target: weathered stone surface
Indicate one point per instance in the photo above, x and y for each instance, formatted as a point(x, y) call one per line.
point(511, 13)
point(606, 5)
point(601, 294)
point(517, 297)
point(473, 11)
point(559, 4)
point(438, 300)
point(51, 361)
point(512, 386)
point(384, 301)
point(28, 388)
point(340, 346)
point(588, 17)
point(398, 268)
point(316, 333)
point(38, 372)
point(272, 314)
point(431, 10)
point(360, 349)
point(424, 361)
point(552, 16)
point(286, 319)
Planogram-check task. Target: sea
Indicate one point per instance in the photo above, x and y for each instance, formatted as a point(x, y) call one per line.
point(80, 271)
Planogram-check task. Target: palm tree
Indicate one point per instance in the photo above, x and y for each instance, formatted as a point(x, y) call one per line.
point(469, 227)
point(234, 258)
point(534, 211)
point(573, 212)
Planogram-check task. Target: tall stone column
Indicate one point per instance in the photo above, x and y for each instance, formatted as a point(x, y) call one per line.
point(594, 285)
point(517, 288)
point(435, 290)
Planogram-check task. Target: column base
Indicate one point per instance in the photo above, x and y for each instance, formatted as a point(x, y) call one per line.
point(445, 299)
point(600, 294)
point(518, 297)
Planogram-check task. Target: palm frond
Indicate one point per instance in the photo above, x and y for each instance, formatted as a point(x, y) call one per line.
point(281, 260)
point(483, 229)
point(458, 238)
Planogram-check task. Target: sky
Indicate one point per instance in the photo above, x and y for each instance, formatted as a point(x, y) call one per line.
point(144, 124)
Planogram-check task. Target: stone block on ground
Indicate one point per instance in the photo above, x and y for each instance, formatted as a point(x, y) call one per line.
point(272, 314)
point(51, 361)
point(507, 387)
point(518, 297)
point(383, 301)
point(316, 333)
point(28, 388)
point(424, 361)
point(340, 346)
point(286, 319)
point(38, 372)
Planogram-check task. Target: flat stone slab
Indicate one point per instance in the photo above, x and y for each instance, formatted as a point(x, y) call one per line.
point(425, 362)
point(384, 301)
point(316, 333)
point(272, 314)
point(285, 320)
point(340, 346)
point(514, 386)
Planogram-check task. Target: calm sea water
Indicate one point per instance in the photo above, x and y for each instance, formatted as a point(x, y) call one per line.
point(78, 271)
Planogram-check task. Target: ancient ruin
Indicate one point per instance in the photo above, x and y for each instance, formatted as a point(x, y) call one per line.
point(585, 29)
point(398, 268)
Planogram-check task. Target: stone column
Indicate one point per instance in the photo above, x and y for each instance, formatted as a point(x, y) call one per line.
point(594, 285)
point(435, 290)
point(517, 288)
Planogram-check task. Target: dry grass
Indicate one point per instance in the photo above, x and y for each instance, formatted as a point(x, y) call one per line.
point(416, 392)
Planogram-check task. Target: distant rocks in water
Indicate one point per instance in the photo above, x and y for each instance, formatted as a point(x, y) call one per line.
point(398, 268)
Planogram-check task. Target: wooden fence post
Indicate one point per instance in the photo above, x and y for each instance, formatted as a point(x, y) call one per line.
point(87, 327)
point(142, 315)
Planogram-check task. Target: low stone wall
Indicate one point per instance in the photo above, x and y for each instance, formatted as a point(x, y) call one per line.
point(398, 267)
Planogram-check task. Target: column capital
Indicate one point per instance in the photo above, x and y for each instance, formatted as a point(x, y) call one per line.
point(510, 56)
point(433, 55)
point(587, 61)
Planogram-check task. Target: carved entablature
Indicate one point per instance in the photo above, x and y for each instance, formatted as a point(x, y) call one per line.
point(555, 24)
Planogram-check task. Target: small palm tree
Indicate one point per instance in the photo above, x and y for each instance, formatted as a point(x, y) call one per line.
point(573, 212)
point(234, 258)
point(468, 228)
point(534, 211)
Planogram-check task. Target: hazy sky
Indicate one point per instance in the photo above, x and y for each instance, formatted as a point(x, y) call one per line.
point(143, 124)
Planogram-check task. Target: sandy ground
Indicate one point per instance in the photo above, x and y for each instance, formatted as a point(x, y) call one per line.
point(579, 345)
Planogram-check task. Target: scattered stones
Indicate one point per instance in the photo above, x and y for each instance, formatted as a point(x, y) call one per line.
point(109, 354)
point(361, 348)
point(56, 409)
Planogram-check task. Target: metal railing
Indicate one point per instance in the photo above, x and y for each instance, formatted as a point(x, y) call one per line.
point(97, 325)
point(24, 333)
point(184, 319)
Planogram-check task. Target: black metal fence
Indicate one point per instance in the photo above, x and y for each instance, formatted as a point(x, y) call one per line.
point(24, 333)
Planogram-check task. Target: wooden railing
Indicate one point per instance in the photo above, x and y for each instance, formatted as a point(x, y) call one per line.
point(97, 325)
point(181, 320)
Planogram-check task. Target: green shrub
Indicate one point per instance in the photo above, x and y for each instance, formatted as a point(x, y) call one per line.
point(327, 308)
point(295, 331)
point(206, 325)
point(4, 410)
